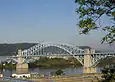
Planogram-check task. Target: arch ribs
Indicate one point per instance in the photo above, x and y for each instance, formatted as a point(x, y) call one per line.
point(72, 50)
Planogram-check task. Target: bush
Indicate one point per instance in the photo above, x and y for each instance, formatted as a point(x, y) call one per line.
point(108, 74)
point(59, 72)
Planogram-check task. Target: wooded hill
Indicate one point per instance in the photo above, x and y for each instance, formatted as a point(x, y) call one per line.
point(11, 49)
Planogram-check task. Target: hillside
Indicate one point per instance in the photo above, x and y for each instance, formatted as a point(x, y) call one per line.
point(10, 49)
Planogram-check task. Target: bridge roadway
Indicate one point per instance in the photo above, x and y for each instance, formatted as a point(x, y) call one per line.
point(79, 54)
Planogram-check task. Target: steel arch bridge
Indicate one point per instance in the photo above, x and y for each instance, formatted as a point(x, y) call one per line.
point(98, 57)
point(76, 52)
point(61, 50)
point(39, 49)
point(66, 50)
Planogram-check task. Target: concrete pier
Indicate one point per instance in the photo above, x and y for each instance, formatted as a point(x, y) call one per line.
point(21, 67)
point(87, 62)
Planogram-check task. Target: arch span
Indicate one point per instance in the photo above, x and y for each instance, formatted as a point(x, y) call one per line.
point(70, 49)
point(102, 59)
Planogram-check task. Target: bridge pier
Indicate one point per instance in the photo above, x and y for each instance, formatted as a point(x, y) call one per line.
point(89, 70)
point(20, 67)
point(87, 62)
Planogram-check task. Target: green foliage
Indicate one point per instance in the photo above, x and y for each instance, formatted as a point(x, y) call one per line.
point(91, 11)
point(108, 75)
point(59, 72)
point(45, 62)
point(1, 66)
point(8, 66)
point(110, 37)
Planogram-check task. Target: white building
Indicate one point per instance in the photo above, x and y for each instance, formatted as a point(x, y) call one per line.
point(21, 75)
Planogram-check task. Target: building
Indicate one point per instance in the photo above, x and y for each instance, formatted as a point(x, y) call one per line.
point(21, 75)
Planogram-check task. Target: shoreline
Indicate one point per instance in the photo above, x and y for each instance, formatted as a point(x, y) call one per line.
point(73, 78)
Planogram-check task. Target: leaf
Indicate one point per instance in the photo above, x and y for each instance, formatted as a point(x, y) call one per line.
point(113, 13)
point(90, 11)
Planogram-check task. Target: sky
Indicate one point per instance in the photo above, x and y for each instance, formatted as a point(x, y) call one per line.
point(45, 21)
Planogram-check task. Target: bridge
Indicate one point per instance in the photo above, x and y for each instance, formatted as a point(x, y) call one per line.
point(89, 58)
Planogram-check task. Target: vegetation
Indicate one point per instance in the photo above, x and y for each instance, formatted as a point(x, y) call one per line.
point(45, 62)
point(8, 66)
point(108, 75)
point(91, 11)
point(59, 72)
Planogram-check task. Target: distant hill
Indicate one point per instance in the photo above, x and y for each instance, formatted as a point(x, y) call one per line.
point(84, 47)
point(11, 49)
point(88, 47)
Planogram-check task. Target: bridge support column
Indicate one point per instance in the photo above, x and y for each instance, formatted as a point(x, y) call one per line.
point(20, 67)
point(87, 62)
point(89, 70)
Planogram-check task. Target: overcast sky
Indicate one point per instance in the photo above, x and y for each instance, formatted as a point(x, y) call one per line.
point(45, 21)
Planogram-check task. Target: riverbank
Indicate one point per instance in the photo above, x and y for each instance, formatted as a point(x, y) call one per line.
point(70, 79)
point(73, 78)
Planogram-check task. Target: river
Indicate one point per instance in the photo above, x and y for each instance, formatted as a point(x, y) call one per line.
point(67, 71)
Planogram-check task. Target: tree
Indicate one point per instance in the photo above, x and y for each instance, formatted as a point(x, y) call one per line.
point(59, 72)
point(90, 11)
point(108, 74)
